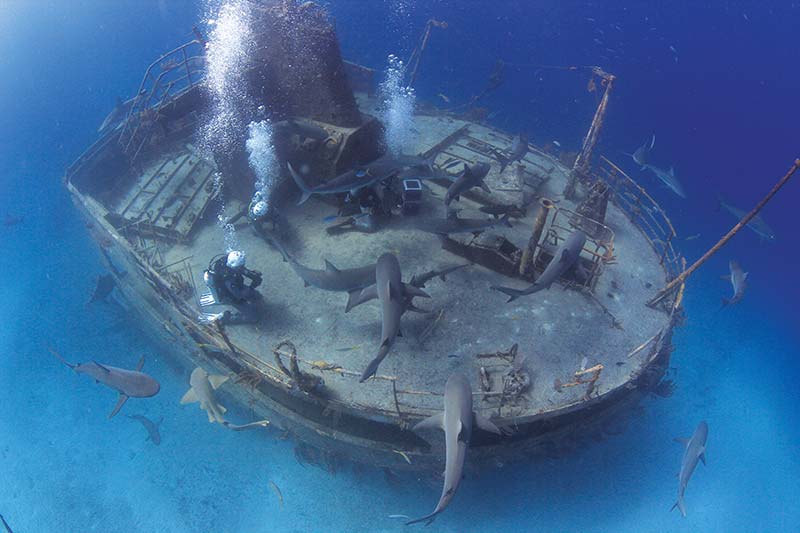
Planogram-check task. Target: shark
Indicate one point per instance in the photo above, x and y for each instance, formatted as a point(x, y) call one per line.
point(151, 427)
point(756, 223)
point(201, 389)
point(565, 258)
point(454, 224)
point(738, 279)
point(128, 383)
point(519, 147)
point(105, 284)
point(349, 280)
point(471, 176)
point(395, 298)
point(695, 452)
point(361, 176)
point(667, 176)
point(457, 421)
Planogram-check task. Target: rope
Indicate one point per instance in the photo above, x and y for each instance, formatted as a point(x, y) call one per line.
point(714, 249)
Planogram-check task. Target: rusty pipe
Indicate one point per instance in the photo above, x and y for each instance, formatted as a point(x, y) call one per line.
point(545, 205)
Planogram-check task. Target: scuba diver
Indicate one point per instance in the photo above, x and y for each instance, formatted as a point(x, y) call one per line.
point(225, 277)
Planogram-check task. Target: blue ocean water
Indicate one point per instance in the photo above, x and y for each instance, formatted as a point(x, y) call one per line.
point(723, 107)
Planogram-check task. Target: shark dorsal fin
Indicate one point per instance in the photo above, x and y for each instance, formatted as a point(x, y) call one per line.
point(103, 367)
point(140, 364)
point(330, 267)
point(217, 380)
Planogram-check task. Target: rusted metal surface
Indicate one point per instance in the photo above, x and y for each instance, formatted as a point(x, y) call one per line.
point(526, 261)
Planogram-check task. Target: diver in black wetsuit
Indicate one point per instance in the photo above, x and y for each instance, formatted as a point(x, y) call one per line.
point(225, 278)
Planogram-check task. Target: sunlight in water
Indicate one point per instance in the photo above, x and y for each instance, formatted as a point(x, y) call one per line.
point(261, 154)
point(398, 108)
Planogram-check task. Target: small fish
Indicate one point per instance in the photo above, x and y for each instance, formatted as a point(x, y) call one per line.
point(453, 355)
point(584, 362)
point(557, 143)
point(444, 97)
point(673, 49)
point(693, 237)
point(745, 17)
point(277, 491)
point(399, 516)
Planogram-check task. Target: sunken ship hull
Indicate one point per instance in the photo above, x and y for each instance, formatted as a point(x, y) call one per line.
point(551, 369)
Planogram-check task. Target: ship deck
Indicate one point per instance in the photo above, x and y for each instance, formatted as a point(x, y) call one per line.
point(554, 329)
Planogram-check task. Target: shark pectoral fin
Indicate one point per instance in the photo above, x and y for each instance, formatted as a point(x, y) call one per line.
point(703, 455)
point(140, 364)
point(356, 297)
point(485, 187)
point(462, 433)
point(413, 308)
point(330, 267)
point(681, 440)
point(189, 397)
point(217, 380)
point(101, 366)
point(211, 418)
point(486, 425)
point(411, 291)
point(432, 422)
point(120, 402)
point(222, 408)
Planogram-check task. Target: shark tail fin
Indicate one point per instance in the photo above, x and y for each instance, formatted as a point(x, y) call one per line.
point(512, 294)
point(304, 188)
point(429, 518)
point(680, 505)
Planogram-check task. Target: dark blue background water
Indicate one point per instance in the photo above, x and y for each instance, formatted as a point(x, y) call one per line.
point(725, 115)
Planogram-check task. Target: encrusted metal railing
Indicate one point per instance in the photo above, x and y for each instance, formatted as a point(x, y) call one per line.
point(168, 77)
point(644, 212)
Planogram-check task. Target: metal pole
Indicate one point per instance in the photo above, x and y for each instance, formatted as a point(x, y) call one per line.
point(714, 249)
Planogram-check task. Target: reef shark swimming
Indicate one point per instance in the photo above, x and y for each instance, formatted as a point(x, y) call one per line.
point(519, 147)
point(756, 223)
point(738, 279)
point(349, 280)
point(694, 453)
point(153, 435)
point(667, 177)
point(454, 224)
point(565, 258)
point(395, 299)
point(384, 167)
point(457, 421)
point(128, 383)
point(471, 176)
point(201, 389)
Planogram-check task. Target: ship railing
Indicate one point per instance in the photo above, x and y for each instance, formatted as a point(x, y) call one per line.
point(168, 77)
point(144, 240)
point(644, 212)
